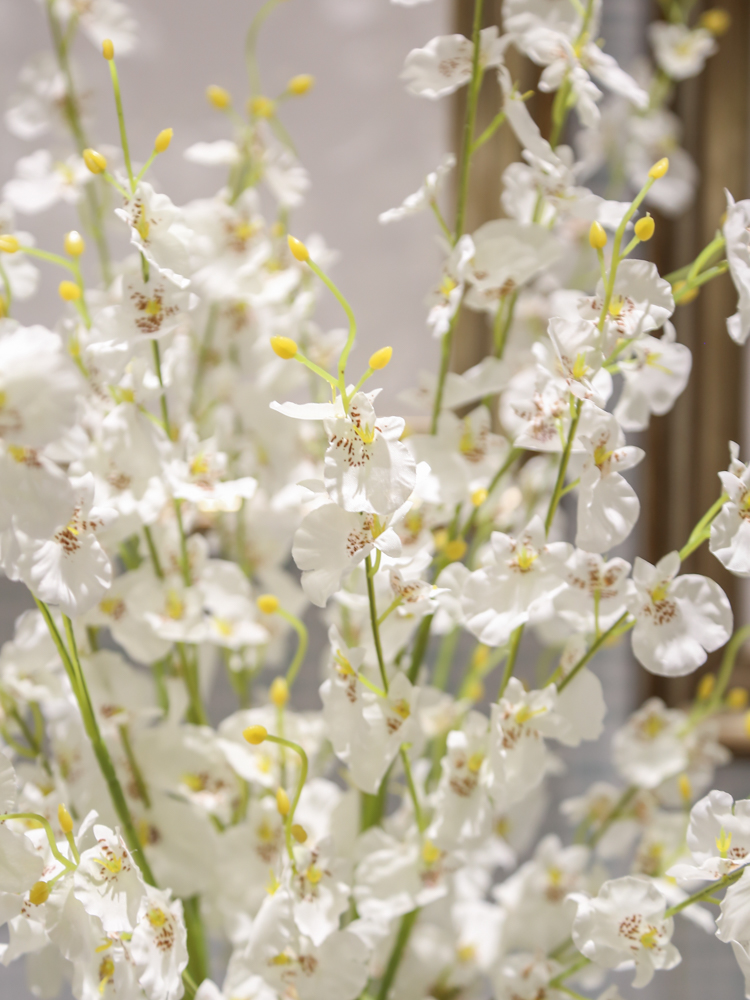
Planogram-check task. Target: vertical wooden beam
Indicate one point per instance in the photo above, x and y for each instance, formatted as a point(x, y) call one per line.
point(687, 448)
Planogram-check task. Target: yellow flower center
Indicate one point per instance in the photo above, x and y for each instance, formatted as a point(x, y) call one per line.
point(175, 607)
point(648, 940)
point(723, 843)
point(157, 917)
point(153, 307)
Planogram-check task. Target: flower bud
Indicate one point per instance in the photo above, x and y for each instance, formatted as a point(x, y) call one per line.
point(455, 549)
point(163, 139)
point(64, 819)
point(279, 693)
point(685, 297)
point(261, 107)
point(479, 496)
point(96, 163)
point(737, 698)
point(440, 538)
point(268, 604)
point(69, 291)
point(108, 49)
point(706, 686)
point(255, 734)
point(644, 228)
point(380, 358)
point(218, 96)
point(285, 347)
point(716, 20)
point(282, 802)
point(298, 248)
point(300, 84)
point(299, 833)
point(74, 244)
point(475, 690)
point(659, 168)
point(597, 236)
point(8, 243)
point(39, 893)
point(430, 853)
point(685, 787)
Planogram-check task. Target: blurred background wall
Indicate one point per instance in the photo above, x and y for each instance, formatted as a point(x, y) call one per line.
point(366, 144)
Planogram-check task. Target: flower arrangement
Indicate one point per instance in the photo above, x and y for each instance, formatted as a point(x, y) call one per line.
point(188, 462)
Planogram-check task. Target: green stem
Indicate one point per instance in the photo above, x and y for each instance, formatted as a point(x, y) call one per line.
point(595, 647)
point(617, 810)
point(140, 783)
point(121, 122)
point(374, 622)
point(513, 454)
point(702, 530)
point(196, 712)
point(163, 399)
point(565, 458)
point(52, 258)
point(402, 939)
point(702, 894)
point(494, 125)
point(420, 647)
point(344, 357)
point(184, 557)
point(155, 561)
point(251, 45)
point(734, 645)
point(299, 656)
point(510, 663)
point(198, 956)
point(67, 864)
point(445, 360)
point(418, 815)
point(472, 101)
point(444, 660)
point(289, 819)
point(558, 980)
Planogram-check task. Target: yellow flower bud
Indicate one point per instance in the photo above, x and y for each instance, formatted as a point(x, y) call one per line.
point(261, 107)
point(96, 163)
point(479, 496)
point(299, 833)
point(644, 228)
point(455, 550)
point(39, 893)
point(685, 297)
point(218, 96)
point(279, 692)
point(440, 538)
point(475, 690)
point(380, 358)
point(685, 788)
point(285, 347)
point(430, 853)
point(716, 20)
point(300, 84)
point(480, 656)
point(747, 723)
point(597, 236)
point(298, 248)
point(706, 686)
point(282, 802)
point(69, 291)
point(108, 49)
point(74, 244)
point(659, 168)
point(64, 819)
point(268, 604)
point(3, 307)
point(163, 139)
point(737, 698)
point(8, 243)
point(255, 734)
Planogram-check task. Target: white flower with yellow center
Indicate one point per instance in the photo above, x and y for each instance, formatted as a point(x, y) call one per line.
point(159, 945)
point(681, 52)
point(718, 838)
point(444, 64)
point(157, 231)
point(737, 235)
point(41, 182)
point(108, 882)
point(655, 373)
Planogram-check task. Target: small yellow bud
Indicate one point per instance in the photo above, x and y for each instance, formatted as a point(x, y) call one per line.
point(268, 603)
point(717, 20)
point(659, 168)
point(108, 49)
point(219, 97)
point(380, 358)
point(298, 248)
point(686, 789)
point(39, 893)
point(440, 538)
point(480, 656)
point(255, 734)
point(96, 163)
point(644, 228)
point(8, 243)
point(597, 236)
point(74, 244)
point(300, 84)
point(279, 692)
point(706, 686)
point(684, 297)
point(737, 698)
point(285, 347)
point(475, 690)
point(261, 107)
point(64, 819)
point(299, 833)
point(282, 802)
point(479, 496)
point(163, 139)
point(747, 723)
point(69, 291)
point(455, 550)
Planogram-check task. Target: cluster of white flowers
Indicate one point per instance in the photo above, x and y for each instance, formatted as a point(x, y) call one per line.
point(172, 523)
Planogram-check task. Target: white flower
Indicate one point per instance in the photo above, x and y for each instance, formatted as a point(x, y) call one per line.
point(730, 529)
point(679, 619)
point(395, 876)
point(39, 183)
point(596, 592)
point(221, 153)
point(102, 19)
point(578, 356)
point(35, 494)
point(518, 756)
point(652, 746)
point(507, 255)
point(444, 64)
point(20, 865)
point(156, 230)
point(732, 925)
point(520, 576)
point(654, 376)
point(70, 568)
point(652, 136)
point(641, 302)
point(680, 51)
point(737, 234)
point(625, 923)
point(608, 506)
point(446, 298)
point(718, 838)
point(36, 104)
point(524, 976)
point(462, 812)
point(159, 945)
point(427, 193)
point(108, 883)
point(319, 889)
point(148, 309)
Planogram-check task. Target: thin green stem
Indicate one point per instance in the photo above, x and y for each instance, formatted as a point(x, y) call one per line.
point(616, 812)
point(374, 622)
point(441, 220)
point(35, 817)
point(163, 399)
point(702, 894)
point(289, 819)
point(512, 455)
point(251, 44)
point(571, 970)
point(563, 468)
point(196, 712)
point(121, 122)
point(595, 647)
point(702, 530)
point(726, 669)
point(299, 656)
point(344, 357)
point(152, 551)
point(510, 663)
point(494, 125)
point(419, 649)
point(138, 778)
point(418, 815)
point(402, 939)
point(198, 955)
point(53, 258)
point(445, 360)
point(444, 660)
point(472, 101)
point(322, 372)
